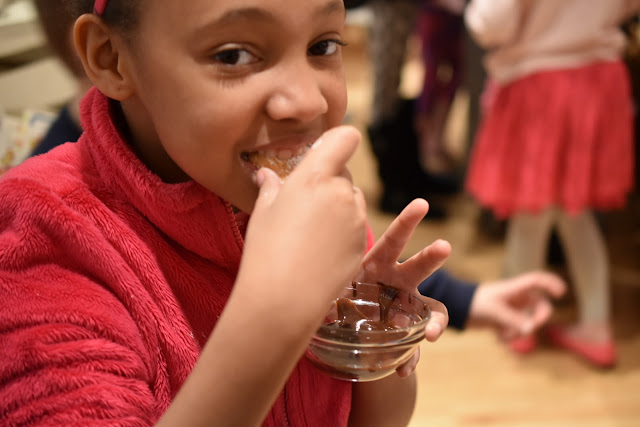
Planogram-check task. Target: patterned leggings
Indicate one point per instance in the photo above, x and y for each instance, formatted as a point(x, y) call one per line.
point(394, 22)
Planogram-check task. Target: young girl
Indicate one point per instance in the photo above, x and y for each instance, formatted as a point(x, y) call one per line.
point(136, 291)
point(133, 290)
point(556, 143)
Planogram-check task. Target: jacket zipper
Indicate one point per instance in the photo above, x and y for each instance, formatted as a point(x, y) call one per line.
point(284, 407)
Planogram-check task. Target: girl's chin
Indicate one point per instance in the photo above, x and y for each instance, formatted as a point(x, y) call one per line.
point(248, 200)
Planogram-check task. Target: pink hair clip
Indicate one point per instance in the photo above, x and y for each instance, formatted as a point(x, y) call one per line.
point(99, 6)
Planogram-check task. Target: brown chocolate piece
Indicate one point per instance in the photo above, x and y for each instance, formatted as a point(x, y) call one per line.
point(350, 317)
point(353, 326)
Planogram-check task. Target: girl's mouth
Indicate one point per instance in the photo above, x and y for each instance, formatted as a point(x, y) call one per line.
point(282, 161)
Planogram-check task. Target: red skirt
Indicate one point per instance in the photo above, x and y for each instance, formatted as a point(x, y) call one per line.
point(561, 138)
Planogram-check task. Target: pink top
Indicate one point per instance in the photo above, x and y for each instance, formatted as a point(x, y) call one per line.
point(526, 36)
point(111, 281)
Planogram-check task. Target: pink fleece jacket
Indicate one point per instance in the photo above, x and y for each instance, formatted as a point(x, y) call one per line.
point(110, 283)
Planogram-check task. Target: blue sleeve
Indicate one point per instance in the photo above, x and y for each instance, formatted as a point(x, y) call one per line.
point(454, 293)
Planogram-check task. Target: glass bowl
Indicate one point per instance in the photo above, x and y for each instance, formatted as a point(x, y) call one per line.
point(368, 332)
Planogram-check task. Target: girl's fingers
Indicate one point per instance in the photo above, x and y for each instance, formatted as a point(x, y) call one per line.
point(542, 311)
point(541, 281)
point(360, 200)
point(269, 183)
point(331, 153)
point(390, 246)
point(409, 366)
point(424, 263)
point(438, 321)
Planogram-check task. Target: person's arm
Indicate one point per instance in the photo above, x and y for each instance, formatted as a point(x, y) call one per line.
point(244, 365)
point(454, 293)
point(512, 307)
point(493, 22)
point(390, 400)
point(386, 402)
point(70, 351)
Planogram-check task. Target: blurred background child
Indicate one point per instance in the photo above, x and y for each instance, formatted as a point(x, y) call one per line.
point(556, 144)
point(392, 126)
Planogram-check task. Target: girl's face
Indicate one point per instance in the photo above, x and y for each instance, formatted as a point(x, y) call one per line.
point(218, 83)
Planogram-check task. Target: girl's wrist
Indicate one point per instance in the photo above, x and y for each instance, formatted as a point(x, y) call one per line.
point(291, 315)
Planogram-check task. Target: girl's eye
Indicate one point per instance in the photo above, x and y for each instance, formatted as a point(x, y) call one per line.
point(235, 57)
point(325, 47)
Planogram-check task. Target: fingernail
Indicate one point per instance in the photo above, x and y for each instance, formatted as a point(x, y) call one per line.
point(317, 143)
point(259, 178)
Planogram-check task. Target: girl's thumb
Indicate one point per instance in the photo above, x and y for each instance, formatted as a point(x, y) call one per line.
point(269, 183)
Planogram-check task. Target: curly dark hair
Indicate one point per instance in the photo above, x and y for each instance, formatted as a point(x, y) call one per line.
point(351, 4)
point(57, 24)
point(121, 14)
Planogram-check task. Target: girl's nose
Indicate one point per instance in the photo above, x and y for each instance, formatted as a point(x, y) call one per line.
point(297, 95)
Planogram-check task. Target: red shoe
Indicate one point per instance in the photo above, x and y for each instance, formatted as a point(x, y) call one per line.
point(602, 355)
point(524, 345)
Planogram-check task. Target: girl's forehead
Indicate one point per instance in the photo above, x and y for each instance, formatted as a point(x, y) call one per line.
point(174, 14)
point(197, 7)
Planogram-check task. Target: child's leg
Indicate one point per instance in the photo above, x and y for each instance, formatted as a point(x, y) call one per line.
point(526, 241)
point(526, 246)
point(586, 255)
point(392, 25)
point(591, 337)
point(441, 35)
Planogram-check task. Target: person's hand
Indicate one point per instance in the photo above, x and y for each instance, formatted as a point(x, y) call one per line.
point(307, 236)
point(517, 306)
point(380, 265)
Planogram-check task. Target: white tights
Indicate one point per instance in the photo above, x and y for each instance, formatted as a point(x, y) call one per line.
point(584, 248)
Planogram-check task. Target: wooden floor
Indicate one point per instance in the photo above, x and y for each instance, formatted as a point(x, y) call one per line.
point(469, 378)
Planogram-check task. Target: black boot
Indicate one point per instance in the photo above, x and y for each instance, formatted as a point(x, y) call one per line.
point(395, 145)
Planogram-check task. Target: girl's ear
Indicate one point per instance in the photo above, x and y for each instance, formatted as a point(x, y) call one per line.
point(103, 57)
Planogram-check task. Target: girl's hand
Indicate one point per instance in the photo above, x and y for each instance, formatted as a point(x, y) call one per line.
point(304, 243)
point(307, 236)
point(381, 264)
